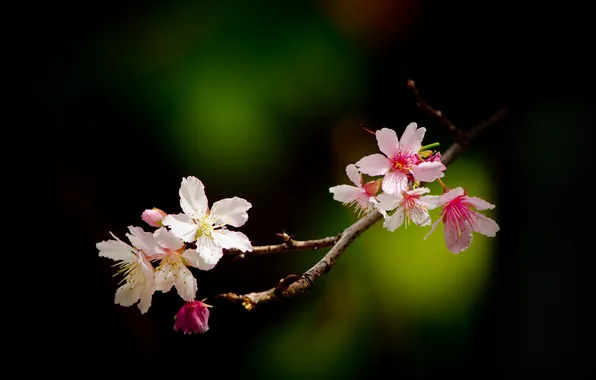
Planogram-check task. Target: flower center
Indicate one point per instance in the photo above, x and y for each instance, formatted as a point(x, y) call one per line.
point(402, 162)
point(205, 227)
point(456, 213)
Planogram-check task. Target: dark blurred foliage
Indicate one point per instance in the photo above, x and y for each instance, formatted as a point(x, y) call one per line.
point(107, 80)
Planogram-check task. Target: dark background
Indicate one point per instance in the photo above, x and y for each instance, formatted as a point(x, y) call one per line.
point(113, 152)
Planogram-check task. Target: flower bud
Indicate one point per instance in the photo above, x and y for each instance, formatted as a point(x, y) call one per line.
point(192, 318)
point(153, 217)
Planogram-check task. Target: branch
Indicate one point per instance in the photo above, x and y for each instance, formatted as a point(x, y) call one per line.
point(294, 285)
point(460, 136)
point(288, 245)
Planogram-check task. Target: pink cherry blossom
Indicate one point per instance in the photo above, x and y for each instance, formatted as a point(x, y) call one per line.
point(139, 283)
point(207, 228)
point(460, 220)
point(408, 205)
point(153, 217)
point(192, 318)
point(361, 195)
point(400, 160)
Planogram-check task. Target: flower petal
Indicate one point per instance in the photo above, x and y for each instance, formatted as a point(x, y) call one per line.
point(146, 297)
point(345, 193)
point(484, 225)
point(193, 200)
point(411, 139)
point(375, 164)
point(388, 202)
point(354, 175)
point(478, 203)
point(142, 240)
point(116, 250)
point(181, 226)
point(458, 240)
point(128, 294)
point(167, 239)
point(394, 221)
point(434, 226)
point(428, 171)
point(395, 182)
point(232, 240)
point(231, 211)
point(186, 284)
point(209, 253)
point(387, 141)
point(451, 195)
point(419, 216)
point(430, 201)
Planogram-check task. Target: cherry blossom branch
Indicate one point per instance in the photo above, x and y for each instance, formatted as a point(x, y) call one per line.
point(289, 244)
point(294, 285)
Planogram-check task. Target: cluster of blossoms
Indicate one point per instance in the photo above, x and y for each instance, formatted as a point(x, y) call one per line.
point(160, 260)
point(404, 165)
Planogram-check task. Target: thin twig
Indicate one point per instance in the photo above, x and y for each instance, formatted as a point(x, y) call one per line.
point(459, 135)
point(289, 245)
point(298, 285)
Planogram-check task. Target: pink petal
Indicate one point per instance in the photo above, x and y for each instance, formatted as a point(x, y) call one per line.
point(345, 193)
point(411, 139)
point(451, 195)
point(428, 171)
point(387, 141)
point(354, 175)
point(484, 225)
point(430, 201)
point(375, 164)
point(395, 182)
point(458, 240)
point(388, 202)
point(167, 239)
point(478, 204)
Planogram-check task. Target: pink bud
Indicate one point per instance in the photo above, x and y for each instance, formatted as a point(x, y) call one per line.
point(192, 318)
point(153, 217)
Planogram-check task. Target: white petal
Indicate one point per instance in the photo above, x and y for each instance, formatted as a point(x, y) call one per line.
point(145, 298)
point(395, 182)
point(428, 171)
point(194, 259)
point(388, 201)
point(394, 221)
point(430, 201)
point(478, 204)
point(209, 253)
point(186, 284)
point(434, 226)
point(345, 193)
point(182, 226)
point(142, 240)
point(458, 240)
point(354, 175)
point(192, 197)
point(231, 211)
point(419, 216)
point(167, 239)
point(419, 191)
point(451, 195)
point(484, 225)
point(375, 164)
point(387, 141)
point(232, 240)
point(128, 294)
point(116, 250)
point(411, 139)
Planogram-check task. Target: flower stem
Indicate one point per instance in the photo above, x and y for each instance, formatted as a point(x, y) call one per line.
point(429, 146)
